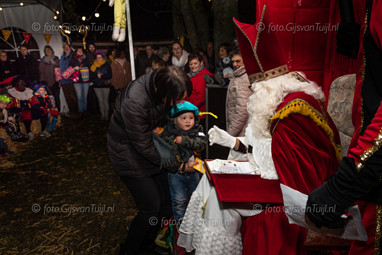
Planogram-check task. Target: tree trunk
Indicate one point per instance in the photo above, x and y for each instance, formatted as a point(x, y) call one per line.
point(185, 8)
point(177, 20)
point(224, 30)
point(201, 21)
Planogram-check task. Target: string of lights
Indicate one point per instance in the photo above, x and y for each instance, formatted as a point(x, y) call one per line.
point(95, 13)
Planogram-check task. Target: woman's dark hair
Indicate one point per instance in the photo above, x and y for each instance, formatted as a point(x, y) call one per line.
point(176, 42)
point(91, 43)
point(110, 50)
point(172, 83)
point(163, 51)
point(47, 47)
point(195, 55)
point(120, 51)
point(226, 46)
point(81, 48)
point(157, 63)
point(235, 51)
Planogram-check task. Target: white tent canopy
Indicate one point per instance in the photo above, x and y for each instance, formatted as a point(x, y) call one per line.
point(35, 17)
point(54, 5)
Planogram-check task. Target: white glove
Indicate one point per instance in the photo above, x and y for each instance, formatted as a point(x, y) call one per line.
point(111, 3)
point(221, 137)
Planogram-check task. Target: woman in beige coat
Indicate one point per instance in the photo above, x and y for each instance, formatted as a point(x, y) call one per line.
point(237, 97)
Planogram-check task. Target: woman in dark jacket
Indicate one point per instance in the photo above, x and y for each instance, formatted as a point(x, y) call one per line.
point(100, 74)
point(139, 109)
point(81, 83)
point(93, 106)
point(6, 70)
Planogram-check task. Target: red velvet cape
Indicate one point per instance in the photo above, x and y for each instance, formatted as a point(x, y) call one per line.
point(305, 153)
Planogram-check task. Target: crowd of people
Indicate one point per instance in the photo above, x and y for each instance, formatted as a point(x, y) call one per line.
point(275, 119)
point(32, 89)
point(89, 80)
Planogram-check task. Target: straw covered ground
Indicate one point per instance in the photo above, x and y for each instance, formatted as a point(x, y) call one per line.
point(59, 195)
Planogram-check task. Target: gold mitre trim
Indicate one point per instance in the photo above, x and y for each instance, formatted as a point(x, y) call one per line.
point(268, 74)
point(299, 77)
point(275, 72)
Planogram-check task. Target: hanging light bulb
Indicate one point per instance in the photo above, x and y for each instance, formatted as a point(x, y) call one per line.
point(21, 4)
point(1, 8)
point(55, 17)
point(104, 0)
point(96, 15)
point(83, 18)
point(57, 12)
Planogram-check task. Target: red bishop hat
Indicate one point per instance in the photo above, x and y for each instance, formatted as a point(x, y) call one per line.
point(260, 64)
point(273, 46)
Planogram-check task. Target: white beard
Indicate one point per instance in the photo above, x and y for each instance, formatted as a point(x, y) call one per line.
point(262, 106)
point(269, 94)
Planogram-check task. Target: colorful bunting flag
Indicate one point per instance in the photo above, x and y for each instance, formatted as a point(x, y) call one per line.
point(27, 37)
point(47, 37)
point(6, 34)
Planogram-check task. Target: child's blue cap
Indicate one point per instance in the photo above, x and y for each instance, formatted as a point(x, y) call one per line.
point(38, 86)
point(183, 108)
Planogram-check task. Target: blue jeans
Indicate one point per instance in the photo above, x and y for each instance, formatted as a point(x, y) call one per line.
point(181, 188)
point(82, 90)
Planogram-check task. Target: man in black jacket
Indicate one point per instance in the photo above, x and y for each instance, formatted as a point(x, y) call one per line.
point(144, 60)
point(27, 66)
point(6, 68)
